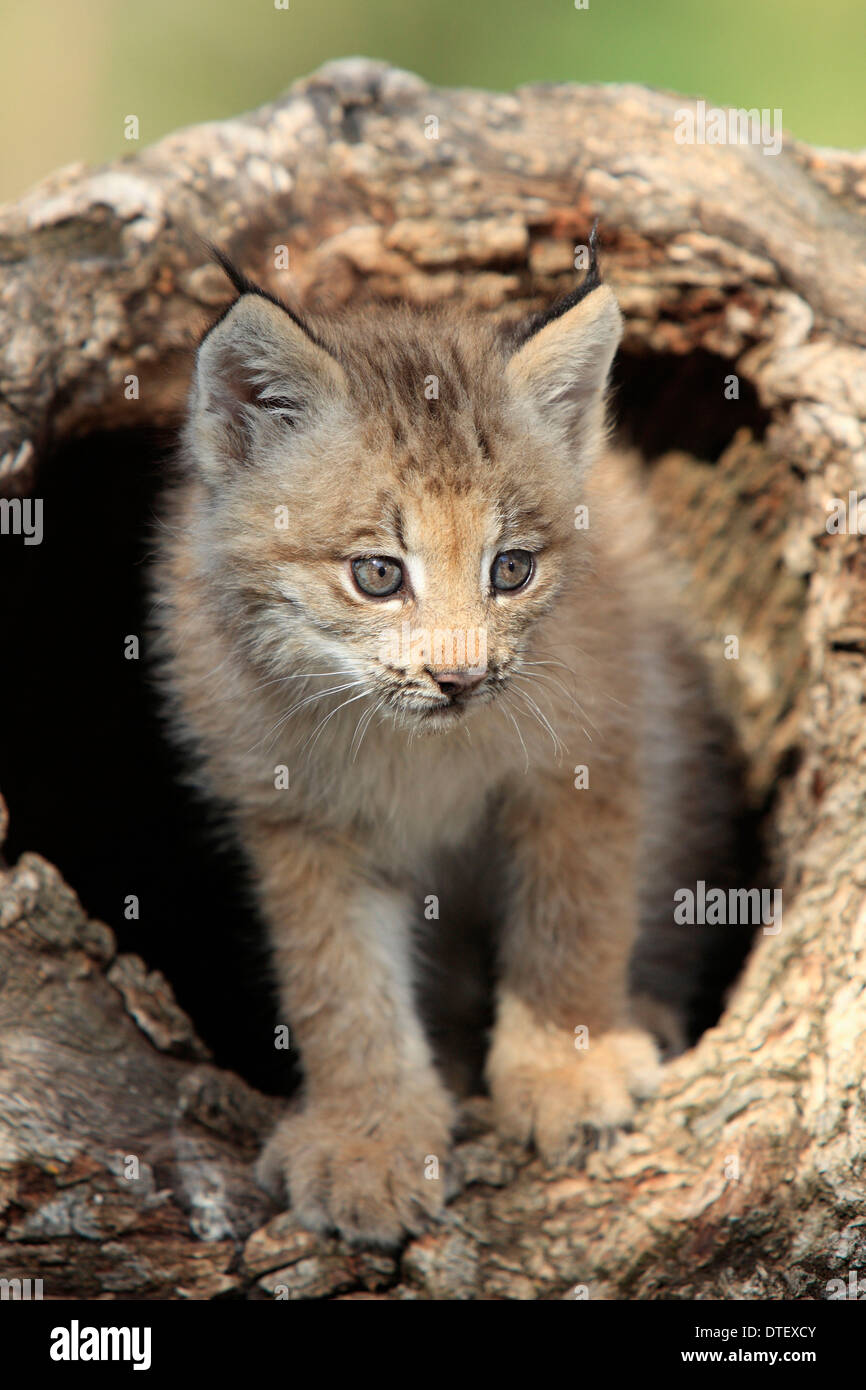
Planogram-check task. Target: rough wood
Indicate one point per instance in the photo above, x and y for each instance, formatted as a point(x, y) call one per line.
point(745, 1178)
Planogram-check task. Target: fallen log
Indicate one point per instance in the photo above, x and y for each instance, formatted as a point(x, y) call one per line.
point(124, 1151)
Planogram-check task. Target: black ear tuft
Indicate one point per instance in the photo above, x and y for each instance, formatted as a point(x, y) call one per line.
point(590, 282)
point(244, 285)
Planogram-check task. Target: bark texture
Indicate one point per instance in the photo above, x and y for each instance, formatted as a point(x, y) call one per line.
point(124, 1154)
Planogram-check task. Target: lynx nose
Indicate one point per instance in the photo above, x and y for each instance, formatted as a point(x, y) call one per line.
point(453, 682)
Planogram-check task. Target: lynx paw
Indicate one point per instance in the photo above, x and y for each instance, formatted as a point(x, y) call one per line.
point(372, 1185)
point(568, 1100)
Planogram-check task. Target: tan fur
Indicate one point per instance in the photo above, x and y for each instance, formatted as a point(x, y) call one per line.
point(386, 798)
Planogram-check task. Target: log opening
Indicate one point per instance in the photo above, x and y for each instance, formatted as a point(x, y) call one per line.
point(91, 780)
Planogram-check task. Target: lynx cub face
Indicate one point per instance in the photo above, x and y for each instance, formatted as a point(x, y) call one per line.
point(398, 505)
point(372, 538)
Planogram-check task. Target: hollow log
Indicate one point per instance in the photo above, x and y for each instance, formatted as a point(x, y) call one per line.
point(125, 1150)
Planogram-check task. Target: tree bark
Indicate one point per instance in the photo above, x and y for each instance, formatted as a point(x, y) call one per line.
point(124, 1154)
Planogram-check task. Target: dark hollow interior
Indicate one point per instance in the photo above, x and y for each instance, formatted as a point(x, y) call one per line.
point(89, 778)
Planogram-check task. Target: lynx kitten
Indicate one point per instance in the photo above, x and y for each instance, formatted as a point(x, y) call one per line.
point(417, 640)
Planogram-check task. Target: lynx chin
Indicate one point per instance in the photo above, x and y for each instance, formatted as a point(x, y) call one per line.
point(431, 767)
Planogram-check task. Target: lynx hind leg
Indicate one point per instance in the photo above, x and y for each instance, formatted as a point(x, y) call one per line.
point(566, 1061)
point(563, 1097)
point(695, 812)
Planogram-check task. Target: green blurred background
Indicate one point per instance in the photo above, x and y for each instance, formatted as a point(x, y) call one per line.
point(70, 70)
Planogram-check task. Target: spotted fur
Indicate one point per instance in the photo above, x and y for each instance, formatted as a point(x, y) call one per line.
point(432, 439)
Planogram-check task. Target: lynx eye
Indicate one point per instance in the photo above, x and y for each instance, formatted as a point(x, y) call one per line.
point(377, 575)
point(511, 570)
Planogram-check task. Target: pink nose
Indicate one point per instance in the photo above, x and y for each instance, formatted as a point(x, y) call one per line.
point(452, 682)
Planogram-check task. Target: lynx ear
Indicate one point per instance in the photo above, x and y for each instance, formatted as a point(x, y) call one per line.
point(259, 371)
point(562, 366)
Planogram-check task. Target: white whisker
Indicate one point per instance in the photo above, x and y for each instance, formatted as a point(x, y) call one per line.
point(507, 710)
point(368, 715)
point(558, 746)
point(308, 700)
point(320, 726)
